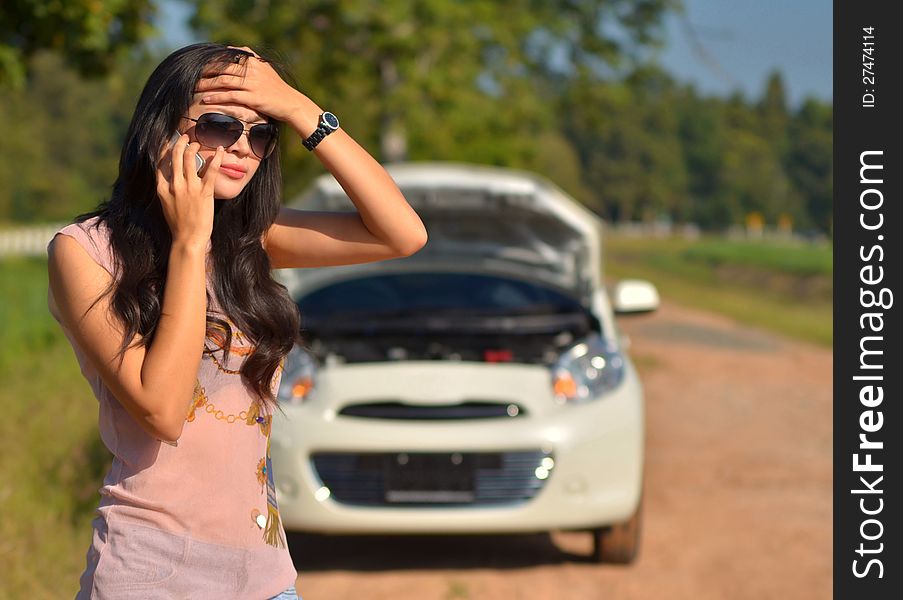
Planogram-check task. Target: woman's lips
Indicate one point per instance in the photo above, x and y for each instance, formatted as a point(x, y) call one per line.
point(233, 172)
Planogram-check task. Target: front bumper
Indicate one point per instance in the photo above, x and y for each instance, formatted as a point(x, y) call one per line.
point(597, 449)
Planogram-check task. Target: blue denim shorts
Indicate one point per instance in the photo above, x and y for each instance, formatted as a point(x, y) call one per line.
point(289, 594)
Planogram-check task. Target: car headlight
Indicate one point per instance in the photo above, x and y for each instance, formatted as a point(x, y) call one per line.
point(587, 371)
point(298, 377)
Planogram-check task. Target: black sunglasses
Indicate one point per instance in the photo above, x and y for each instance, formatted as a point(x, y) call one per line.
point(217, 129)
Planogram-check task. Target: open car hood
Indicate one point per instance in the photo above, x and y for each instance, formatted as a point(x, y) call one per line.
point(483, 219)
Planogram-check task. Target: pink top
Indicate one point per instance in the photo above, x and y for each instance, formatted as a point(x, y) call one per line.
point(191, 520)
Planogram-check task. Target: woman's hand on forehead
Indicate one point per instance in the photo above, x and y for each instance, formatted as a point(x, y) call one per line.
point(253, 84)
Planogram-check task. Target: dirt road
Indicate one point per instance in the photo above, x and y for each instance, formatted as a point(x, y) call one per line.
point(738, 491)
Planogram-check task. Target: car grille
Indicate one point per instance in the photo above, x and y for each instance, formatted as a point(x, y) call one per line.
point(432, 479)
point(447, 412)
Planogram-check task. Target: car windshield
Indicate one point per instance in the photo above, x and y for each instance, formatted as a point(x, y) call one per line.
point(433, 293)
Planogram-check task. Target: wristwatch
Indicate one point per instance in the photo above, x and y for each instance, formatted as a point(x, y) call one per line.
point(328, 123)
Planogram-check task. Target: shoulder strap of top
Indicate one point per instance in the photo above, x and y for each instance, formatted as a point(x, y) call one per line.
point(94, 236)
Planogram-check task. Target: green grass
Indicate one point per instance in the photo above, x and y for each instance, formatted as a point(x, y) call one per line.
point(782, 287)
point(794, 259)
point(53, 461)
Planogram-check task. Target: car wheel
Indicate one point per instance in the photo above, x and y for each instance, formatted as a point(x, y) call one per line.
point(619, 543)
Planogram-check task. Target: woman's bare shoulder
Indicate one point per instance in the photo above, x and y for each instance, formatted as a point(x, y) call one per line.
point(75, 279)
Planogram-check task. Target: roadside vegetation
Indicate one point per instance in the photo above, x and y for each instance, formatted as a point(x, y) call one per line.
point(52, 461)
point(785, 287)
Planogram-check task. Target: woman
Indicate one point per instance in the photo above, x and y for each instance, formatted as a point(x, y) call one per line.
point(166, 296)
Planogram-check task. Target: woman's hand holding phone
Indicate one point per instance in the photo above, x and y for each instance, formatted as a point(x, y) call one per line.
point(185, 194)
point(197, 157)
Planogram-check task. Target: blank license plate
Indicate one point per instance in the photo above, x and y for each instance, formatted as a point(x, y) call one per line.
point(428, 478)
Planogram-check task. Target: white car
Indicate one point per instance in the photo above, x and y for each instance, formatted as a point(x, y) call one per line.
point(477, 386)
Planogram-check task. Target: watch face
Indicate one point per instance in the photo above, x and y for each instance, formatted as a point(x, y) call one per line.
point(331, 120)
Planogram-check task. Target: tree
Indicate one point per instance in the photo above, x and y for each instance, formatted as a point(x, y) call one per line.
point(626, 136)
point(88, 33)
point(809, 161)
point(752, 179)
point(440, 79)
point(701, 134)
point(772, 110)
point(62, 157)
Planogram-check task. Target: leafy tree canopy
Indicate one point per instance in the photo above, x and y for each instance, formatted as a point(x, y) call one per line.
point(466, 70)
point(88, 33)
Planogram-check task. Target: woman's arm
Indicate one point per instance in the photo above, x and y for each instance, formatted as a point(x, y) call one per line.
point(384, 226)
point(307, 238)
point(154, 384)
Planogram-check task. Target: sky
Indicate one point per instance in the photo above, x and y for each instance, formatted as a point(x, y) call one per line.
point(721, 46)
point(747, 39)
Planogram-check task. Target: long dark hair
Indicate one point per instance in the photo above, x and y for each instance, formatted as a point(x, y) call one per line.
point(140, 237)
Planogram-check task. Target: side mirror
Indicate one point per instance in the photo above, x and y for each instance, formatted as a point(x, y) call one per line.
point(633, 296)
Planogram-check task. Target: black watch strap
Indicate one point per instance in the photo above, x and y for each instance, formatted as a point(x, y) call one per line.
point(318, 135)
point(315, 138)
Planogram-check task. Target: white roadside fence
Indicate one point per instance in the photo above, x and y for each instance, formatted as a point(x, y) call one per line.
point(27, 240)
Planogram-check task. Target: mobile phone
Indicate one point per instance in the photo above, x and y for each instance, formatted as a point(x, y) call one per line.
point(197, 157)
